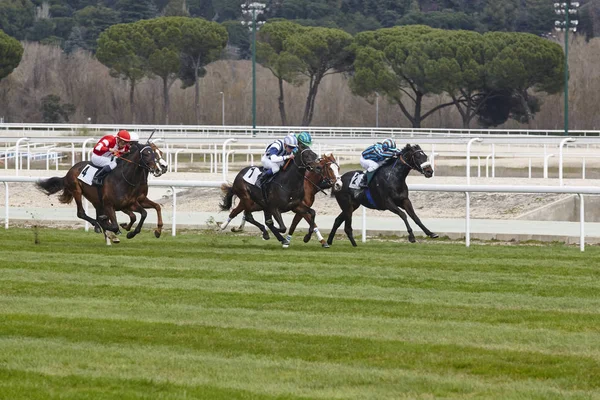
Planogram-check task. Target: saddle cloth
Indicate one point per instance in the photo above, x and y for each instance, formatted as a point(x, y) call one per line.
point(87, 174)
point(252, 175)
point(356, 180)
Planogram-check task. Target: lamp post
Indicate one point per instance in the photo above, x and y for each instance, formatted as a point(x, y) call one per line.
point(222, 108)
point(376, 110)
point(564, 9)
point(250, 11)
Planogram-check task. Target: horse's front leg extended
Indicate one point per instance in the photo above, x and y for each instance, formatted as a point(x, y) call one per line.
point(147, 203)
point(408, 207)
point(396, 210)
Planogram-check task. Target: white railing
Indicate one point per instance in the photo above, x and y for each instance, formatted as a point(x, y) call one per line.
point(24, 129)
point(467, 189)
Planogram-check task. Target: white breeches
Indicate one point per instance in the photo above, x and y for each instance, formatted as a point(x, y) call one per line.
point(268, 164)
point(101, 161)
point(369, 165)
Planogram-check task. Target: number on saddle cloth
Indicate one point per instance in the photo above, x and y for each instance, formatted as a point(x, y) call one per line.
point(356, 180)
point(252, 175)
point(87, 174)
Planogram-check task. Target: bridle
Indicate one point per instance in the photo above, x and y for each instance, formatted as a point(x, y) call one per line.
point(409, 159)
point(142, 164)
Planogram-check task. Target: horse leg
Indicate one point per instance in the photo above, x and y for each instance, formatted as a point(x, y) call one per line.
point(81, 212)
point(147, 203)
point(234, 213)
point(269, 221)
point(309, 214)
point(250, 218)
point(295, 221)
point(396, 210)
point(408, 207)
point(132, 219)
point(143, 214)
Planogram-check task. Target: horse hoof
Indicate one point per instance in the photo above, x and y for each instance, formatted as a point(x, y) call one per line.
point(124, 226)
point(116, 240)
point(235, 230)
point(306, 238)
point(285, 244)
point(157, 234)
point(325, 245)
point(130, 235)
point(412, 239)
point(434, 235)
point(265, 236)
point(97, 229)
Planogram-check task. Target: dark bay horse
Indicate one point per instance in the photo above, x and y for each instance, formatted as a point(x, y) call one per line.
point(285, 192)
point(387, 191)
point(324, 176)
point(123, 189)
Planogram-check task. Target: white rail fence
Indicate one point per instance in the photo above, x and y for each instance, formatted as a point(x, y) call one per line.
point(221, 151)
point(25, 129)
point(467, 189)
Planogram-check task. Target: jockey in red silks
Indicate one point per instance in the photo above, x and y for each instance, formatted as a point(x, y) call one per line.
point(105, 153)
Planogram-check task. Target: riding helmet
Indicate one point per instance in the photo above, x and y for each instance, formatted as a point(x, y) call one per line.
point(389, 144)
point(305, 138)
point(291, 141)
point(124, 135)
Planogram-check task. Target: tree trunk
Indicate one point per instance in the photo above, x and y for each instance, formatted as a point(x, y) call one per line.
point(310, 101)
point(132, 100)
point(166, 100)
point(418, 105)
point(282, 104)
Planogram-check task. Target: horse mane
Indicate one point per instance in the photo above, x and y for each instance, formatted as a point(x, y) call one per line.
point(394, 159)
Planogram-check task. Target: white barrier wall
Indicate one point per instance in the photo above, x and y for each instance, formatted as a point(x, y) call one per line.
point(467, 189)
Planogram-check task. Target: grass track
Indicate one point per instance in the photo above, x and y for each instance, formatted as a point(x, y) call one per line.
point(232, 317)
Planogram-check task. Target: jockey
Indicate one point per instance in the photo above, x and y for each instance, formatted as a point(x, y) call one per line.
point(276, 154)
point(106, 150)
point(374, 156)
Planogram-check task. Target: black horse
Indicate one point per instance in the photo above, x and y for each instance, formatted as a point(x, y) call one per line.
point(123, 189)
point(387, 191)
point(284, 192)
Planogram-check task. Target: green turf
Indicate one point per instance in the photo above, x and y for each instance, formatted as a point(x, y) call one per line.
point(214, 316)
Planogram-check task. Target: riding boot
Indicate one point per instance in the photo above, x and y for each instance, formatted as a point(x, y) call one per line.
point(263, 178)
point(99, 177)
point(367, 179)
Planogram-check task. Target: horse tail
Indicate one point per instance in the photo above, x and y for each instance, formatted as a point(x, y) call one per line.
point(54, 185)
point(227, 197)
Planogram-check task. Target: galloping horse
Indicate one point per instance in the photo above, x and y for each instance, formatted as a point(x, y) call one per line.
point(125, 189)
point(324, 176)
point(284, 193)
point(387, 191)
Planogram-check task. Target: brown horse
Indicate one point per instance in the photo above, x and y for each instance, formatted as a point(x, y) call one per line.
point(325, 176)
point(284, 193)
point(125, 188)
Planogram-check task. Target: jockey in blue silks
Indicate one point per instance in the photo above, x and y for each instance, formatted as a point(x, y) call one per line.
point(374, 156)
point(276, 154)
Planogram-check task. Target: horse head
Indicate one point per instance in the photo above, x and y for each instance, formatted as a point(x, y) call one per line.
point(163, 165)
point(330, 171)
point(307, 159)
point(415, 158)
point(150, 158)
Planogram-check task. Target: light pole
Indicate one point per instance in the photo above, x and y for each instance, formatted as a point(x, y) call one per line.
point(564, 9)
point(250, 11)
point(222, 108)
point(376, 110)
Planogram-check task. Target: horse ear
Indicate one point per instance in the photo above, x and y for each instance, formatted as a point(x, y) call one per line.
point(328, 154)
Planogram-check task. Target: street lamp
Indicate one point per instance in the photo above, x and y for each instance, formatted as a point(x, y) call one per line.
point(376, 110)
point(250, 11)
point(564, 9)
point(222, 108)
